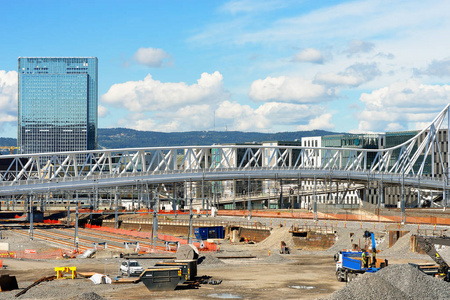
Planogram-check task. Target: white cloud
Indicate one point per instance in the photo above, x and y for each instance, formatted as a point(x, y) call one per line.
point(151, 57)
point(321, 122)
point(8, 91)
point(270, 116)
point(102, 111)
point(288, 89)
point(358, 46)
point(438, 68)
point(353, 76)
point(152, 95)
point(8, 97)
point(309, 55)
point(401, 105)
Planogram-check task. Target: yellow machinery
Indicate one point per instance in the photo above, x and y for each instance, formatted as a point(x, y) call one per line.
point(60, 271)
point(10, 148)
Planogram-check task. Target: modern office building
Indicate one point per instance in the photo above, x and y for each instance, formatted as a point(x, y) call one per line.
point(58, 101)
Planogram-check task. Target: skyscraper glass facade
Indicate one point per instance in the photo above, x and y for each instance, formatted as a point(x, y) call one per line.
point(58, 101)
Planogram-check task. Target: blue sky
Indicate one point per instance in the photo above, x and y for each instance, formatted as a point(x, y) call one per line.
point(267, 66)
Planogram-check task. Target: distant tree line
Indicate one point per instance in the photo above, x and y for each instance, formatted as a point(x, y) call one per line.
point(113, 138)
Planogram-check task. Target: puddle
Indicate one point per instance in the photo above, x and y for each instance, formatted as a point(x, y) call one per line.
point(224, 296)
point(302, 287)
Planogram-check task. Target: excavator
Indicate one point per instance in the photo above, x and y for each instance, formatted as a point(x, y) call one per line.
point(427, 244)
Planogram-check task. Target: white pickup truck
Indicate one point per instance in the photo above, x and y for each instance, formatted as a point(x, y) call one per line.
point(131, 268)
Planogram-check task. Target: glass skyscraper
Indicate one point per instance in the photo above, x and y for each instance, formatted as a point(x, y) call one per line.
point(58, 101)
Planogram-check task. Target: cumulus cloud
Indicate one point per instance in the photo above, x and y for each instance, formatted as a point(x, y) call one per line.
point(268, 116)
point(190, 117)
point(8, 97)
point(357, 46)
point(151, 57)
point(402, 105)
point(102, 111)
point(309, 55)
point(438, 68)
point(151, 95)
point(353, 76)
point(321, 122)
point(289, 89)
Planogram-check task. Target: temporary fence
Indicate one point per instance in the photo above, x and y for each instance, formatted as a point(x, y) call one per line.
point(37, 254)
point(148, 235)
point(197, 223)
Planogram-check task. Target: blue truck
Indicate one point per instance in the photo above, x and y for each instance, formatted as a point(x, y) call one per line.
point(349, 263)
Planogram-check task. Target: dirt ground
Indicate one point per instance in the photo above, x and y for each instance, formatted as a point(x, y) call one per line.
point(301, 277)
point(297, 277)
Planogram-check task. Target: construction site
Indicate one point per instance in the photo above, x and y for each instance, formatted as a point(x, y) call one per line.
point(225, 254)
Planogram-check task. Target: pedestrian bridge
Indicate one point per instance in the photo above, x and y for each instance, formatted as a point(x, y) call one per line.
point(81, 170)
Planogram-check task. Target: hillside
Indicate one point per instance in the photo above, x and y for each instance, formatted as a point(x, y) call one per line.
point(128, 138)
point(124, 138)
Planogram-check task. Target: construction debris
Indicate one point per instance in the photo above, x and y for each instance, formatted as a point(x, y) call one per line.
point(100, 279)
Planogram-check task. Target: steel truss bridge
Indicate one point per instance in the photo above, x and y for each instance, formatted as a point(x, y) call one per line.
point(28, 174)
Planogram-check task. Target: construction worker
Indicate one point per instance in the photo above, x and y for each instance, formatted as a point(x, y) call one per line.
point(364, 259)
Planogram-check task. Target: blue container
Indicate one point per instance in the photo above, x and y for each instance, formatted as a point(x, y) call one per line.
point(213, 232)
point(350, 260)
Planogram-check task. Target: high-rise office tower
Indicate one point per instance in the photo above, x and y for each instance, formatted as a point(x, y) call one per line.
point(58, 101)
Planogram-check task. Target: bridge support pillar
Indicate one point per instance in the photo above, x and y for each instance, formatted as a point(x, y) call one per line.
point(30, 201)
point(249, 201)
point(116, 204)
point(68, 210)
point(174, 197)
point(234, 194)
point(315, 199)
point(76, 224)
point(402, 202)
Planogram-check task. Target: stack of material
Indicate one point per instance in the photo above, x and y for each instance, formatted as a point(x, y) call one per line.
point(395, 282)
point(209, 260)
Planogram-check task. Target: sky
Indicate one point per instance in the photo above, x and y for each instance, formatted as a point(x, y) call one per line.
point(247, 65)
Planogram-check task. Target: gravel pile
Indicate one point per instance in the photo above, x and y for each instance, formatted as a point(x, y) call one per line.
point(209, 260)
point(394, 282)
point(273, 242)
point(276, 258)
point(345, 241)
point(89, 296)
point(400, 247)
point(415, 283)
point(444, 251)
point(81, 289)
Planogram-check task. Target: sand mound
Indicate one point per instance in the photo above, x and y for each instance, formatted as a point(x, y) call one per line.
point(273, 242)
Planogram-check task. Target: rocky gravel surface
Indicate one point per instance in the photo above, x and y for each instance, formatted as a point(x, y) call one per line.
point(77, 289)
point(396, 282)
point(209, 260)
